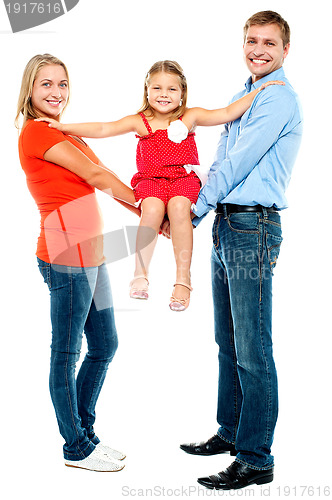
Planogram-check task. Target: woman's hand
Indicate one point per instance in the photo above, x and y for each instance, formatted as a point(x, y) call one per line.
point(51, 122)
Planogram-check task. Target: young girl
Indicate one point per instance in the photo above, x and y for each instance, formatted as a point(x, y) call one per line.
point(166, 158)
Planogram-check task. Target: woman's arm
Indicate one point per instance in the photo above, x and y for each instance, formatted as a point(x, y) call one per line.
point(136, 211)
point(66, 155)
point(205, 117)
point(98, 129)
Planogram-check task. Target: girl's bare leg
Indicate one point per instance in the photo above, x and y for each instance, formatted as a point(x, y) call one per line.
point(152, 214)
point(178, 211)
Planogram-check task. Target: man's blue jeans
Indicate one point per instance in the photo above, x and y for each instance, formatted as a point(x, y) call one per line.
point(245, 251)
point(80, 301)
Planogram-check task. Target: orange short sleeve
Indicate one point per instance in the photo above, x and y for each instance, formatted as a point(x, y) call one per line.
point(38, 137)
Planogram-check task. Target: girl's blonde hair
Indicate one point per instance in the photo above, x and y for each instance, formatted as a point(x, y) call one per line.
point(171, 67)
point(24, 104)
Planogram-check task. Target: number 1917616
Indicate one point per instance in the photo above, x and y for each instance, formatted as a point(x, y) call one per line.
point(33, 8)
point(304, 491)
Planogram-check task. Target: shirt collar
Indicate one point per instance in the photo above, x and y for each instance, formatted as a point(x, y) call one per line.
point(278, 74)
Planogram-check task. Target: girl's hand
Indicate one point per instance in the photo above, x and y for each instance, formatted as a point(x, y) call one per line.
point(272, 82)
point(51, 122)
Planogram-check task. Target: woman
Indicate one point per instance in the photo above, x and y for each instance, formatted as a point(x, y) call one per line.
point(62, 174)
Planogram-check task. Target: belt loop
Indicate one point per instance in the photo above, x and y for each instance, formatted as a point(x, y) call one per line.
point(264, 213)
point(224, 207)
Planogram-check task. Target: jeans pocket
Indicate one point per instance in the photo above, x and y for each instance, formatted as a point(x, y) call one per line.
point(244, 222)
point(45, 271)
point(273, 243)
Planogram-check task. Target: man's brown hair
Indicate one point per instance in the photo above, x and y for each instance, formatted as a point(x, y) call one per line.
point(269, 17)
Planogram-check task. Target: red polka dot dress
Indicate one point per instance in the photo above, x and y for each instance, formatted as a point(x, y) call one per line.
point(160, 164)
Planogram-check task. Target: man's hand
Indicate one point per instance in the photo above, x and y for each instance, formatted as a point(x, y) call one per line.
point(165, 228)
point(192, 216)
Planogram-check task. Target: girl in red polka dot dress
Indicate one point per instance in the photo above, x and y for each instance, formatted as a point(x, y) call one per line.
point(166, 182)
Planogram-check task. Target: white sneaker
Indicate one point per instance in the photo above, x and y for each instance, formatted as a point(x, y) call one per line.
point(118, 455)
point(97, 461)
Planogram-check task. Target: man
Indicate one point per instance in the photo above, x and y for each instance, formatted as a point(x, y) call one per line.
point(246, 187)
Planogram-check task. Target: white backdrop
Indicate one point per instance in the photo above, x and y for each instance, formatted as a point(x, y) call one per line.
point(161, 389)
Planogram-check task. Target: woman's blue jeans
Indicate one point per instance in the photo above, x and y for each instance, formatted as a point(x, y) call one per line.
point(81, 301)
point(245, 251)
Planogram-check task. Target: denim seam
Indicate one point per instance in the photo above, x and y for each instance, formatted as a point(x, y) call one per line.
point(272, 263)
point(253, 466)
point(269, 395)
point(88, 409)
point(268, 221)
point(48, 275)
point(100, 363)
point(95, 386)
point(224, 439)
point(96, 375)
point(268, 375)
point(235, 375)
point(269, 249)
point(260, 258)
point(80, 452)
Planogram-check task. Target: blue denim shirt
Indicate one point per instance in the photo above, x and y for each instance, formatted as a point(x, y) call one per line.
point(256, 152)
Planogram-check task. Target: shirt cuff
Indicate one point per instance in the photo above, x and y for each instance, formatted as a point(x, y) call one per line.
point(197, 220)
point(200, 209)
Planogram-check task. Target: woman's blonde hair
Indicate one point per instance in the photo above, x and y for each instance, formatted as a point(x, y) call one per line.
point(24, 104)
point(173, 68)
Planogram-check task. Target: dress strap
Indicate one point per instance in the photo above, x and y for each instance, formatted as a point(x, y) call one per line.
point(146, 123)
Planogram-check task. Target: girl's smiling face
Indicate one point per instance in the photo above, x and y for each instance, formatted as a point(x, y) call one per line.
point(164, 92)
point(50, 91)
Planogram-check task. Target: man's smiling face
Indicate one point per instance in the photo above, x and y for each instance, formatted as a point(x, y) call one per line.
point(263, 49)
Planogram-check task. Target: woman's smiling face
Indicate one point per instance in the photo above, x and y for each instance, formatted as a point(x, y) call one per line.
point(50, 91)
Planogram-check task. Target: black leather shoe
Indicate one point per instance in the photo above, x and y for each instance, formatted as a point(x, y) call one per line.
point(212, 446)
point(236, 476)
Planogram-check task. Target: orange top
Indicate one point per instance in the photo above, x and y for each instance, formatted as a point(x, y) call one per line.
point(71, 223)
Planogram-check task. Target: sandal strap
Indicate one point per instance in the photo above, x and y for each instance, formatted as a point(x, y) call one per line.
point(184, 284)
point(177, 299)
point(139, 277)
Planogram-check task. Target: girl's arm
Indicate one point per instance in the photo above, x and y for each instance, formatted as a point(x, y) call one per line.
point(95, 130)
point(68, 156)
point(205, 117)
